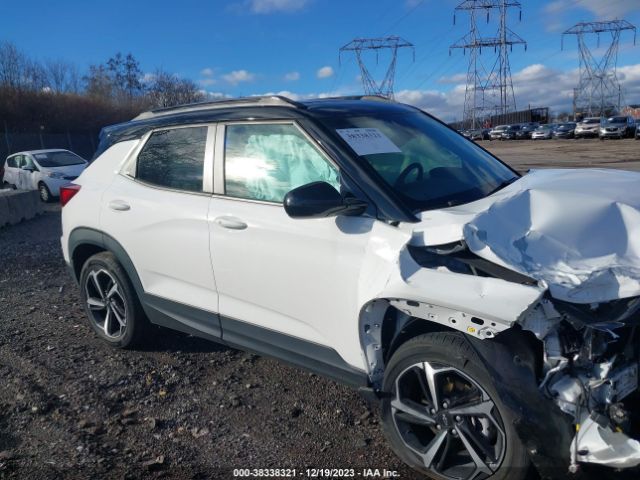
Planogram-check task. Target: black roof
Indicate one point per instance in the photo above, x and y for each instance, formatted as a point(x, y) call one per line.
point(257, 108)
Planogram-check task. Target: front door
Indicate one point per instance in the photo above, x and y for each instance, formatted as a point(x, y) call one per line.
point(292, 276)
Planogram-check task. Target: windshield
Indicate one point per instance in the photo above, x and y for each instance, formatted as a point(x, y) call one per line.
point(58, 159)
point(617, 120)
point(589, 121)
point(428, 165)
point(501, 127)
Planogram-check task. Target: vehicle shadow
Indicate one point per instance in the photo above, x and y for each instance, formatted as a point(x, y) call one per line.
point(171, 341)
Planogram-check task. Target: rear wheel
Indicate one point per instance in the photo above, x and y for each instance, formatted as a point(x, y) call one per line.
point(444, 417)
point(114, 312)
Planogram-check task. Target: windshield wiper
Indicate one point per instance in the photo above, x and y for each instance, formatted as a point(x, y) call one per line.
point(502, 185)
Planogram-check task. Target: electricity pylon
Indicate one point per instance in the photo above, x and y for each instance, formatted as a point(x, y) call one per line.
point(361, 45)
point(487, 91)
point(598, 91)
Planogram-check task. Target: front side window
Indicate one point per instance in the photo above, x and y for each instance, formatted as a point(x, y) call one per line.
point(265, 161)
point(427, 164)
point(174, 158)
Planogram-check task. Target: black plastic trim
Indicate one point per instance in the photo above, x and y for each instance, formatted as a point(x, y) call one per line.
point(302, 353)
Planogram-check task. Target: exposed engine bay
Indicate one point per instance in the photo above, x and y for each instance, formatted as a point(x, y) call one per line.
point(590, 358)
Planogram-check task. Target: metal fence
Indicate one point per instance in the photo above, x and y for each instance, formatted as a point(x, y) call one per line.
point(83, 143)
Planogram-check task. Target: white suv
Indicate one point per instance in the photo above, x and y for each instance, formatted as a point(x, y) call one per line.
point(491, 315)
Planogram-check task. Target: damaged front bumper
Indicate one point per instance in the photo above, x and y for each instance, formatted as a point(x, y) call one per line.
point(590, 371)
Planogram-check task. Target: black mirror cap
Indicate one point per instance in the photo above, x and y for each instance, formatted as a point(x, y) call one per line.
point(320, 200)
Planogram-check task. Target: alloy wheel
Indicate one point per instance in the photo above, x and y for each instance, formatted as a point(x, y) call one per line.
point(449, 421)
point(44, 193)
point(106, 303)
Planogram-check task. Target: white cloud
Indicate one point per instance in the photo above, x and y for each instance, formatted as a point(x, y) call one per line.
point(292, 76)
point(207, 82)
point(535, 85)
point(600, 9)
point(325, 72)
point(238, 76)
point(457, 78)
point(206, 72)
point(263, 7)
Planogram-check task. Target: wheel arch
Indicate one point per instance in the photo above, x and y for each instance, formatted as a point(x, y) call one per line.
point(384, 326)
point(85, 242)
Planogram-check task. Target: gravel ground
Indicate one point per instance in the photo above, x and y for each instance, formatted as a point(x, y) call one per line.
point(71, 407)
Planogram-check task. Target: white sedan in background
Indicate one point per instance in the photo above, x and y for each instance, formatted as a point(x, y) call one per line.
point(43, 170)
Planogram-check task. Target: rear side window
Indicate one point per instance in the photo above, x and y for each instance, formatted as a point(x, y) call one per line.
point(174, 158)
point(14, 162)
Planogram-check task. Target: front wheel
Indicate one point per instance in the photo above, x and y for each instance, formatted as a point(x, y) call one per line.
point(443, 416)
point(45, 194)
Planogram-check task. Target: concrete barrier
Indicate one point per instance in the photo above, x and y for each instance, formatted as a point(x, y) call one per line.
point(19, 205)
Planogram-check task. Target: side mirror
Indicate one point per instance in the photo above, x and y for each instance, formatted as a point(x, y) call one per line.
point(320, 200)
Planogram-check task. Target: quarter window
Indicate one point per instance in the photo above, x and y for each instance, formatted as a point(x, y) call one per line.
point(264, 162)
point(174, 158)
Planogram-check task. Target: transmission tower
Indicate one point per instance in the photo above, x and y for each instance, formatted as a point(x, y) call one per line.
point(361, 45)
point(488, 91)
point(598, 91)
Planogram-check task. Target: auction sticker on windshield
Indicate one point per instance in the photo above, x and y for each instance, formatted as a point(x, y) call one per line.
point(367, 141)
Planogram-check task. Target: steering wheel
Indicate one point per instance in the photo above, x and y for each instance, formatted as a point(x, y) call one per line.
point(405, 173)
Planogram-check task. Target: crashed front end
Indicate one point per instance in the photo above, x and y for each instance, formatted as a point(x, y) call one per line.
point(556, 257)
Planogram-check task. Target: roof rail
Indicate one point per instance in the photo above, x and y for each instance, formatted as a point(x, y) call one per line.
point(257, 101)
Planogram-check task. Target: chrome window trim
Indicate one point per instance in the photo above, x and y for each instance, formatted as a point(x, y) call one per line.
point(219, 189)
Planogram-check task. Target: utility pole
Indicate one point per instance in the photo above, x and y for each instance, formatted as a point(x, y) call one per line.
point(598, 92)
point(361, 45)
point(488, 91)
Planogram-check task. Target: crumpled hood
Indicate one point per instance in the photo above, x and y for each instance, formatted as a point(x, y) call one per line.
point(578, 231)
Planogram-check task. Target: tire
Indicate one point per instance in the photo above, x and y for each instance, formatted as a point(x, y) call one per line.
point(455, 362)
point(45, 193)
point(117, 319)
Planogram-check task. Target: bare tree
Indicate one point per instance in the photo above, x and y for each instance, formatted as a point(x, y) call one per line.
point(12, 66)
point(62, 76)
point(166, 90)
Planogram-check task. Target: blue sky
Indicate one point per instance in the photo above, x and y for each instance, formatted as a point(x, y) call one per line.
point(243, 47)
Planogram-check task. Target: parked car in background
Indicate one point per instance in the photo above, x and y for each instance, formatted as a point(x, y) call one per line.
point(496, 132)
point(511, 132)
point(543, 132)
point(617, 127)
point(589, 127)
point(637, 135)
point(526, 130)
point(565, 130)
point(43, 170)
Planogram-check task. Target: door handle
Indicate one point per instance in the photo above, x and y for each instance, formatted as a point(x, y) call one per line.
point(119, 205)
point(231, 222)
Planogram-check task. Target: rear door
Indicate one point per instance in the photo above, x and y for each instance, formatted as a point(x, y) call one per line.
point(156, 208)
